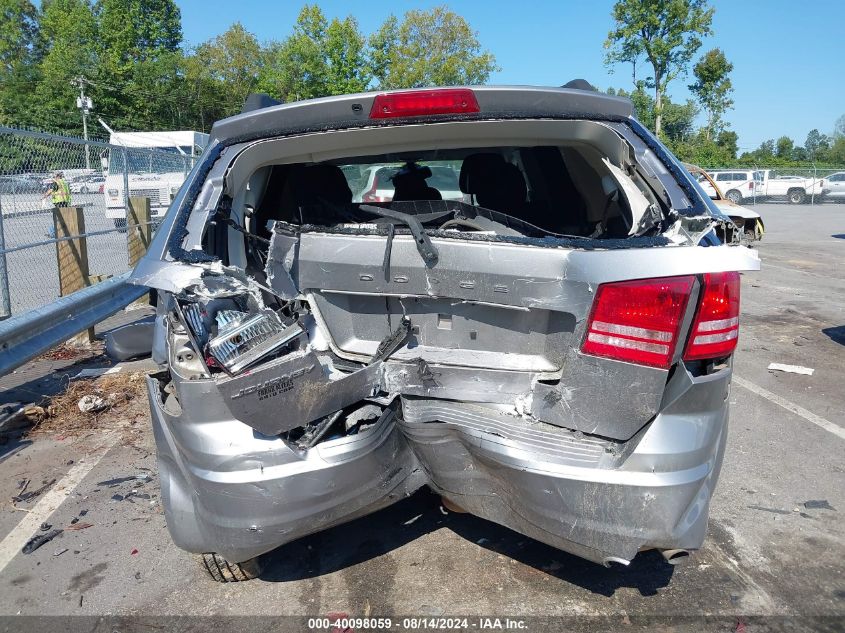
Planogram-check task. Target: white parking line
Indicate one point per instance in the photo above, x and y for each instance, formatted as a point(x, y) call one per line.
point(819, 421)
point(29, 525)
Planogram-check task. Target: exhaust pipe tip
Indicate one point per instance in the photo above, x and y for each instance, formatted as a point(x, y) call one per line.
point(614, 561)
point(675, 556)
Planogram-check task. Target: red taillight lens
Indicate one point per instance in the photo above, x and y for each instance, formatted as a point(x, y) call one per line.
point(424, 102)
point(716, 326)
point(638, 321)
point(750, 185)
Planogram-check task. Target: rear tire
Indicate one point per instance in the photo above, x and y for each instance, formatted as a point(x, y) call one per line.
point(734, 196)
point(795, 196)
point(222, 570)
point(83, 189)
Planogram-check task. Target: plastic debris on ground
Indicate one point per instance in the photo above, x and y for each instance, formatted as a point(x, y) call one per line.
point(24, 496)
point(791, 369)
point(92, 404)
point(818, 504)
point(96, 372)
point(37, 541)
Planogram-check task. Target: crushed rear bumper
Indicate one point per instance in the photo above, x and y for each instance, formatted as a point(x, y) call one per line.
point(228, 489)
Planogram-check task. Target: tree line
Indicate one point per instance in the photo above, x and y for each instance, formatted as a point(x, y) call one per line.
point(130, 58)
point(665, 36)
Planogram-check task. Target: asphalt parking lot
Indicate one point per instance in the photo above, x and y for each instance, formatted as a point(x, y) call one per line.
point(775, 547)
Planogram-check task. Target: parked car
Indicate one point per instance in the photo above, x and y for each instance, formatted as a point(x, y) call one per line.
point(749, 222)
point(833, 187)
point(552, 353)
point(738, 185)
point(379, 187)
point(795, 189)
point(15, 184)
point(87, 184)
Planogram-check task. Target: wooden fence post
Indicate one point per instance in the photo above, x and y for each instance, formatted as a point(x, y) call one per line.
point(138, 237)
point(72, 257)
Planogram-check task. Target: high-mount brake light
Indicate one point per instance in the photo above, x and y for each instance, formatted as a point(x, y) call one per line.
point(715, 330)
point(638, 321)
point(424, 103)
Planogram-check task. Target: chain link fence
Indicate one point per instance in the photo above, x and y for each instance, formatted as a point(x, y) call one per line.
point(101, 178)
point(791, 185)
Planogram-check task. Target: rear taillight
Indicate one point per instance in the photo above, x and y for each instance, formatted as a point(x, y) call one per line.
point(750, 185)
point(716, 326)
point(423, 103)
point(638, 321)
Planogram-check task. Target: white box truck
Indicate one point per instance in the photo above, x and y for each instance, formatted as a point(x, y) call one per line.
point(153, 165)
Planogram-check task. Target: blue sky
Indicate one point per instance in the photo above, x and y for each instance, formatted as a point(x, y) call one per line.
point(789, 57)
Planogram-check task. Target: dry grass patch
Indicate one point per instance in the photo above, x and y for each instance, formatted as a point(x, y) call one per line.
point(121, 400)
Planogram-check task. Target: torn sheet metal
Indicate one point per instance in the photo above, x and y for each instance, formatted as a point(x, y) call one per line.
point(281, 262)
point(294, 390)
point(640, 205)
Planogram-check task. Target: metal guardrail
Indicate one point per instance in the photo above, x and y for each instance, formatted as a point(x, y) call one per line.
point(29, 335)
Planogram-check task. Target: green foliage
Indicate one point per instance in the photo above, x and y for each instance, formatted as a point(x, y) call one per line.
point(138, 73)
point(228, 67)
point(816, 143)
point(320, 58)
point(19, 55)
point(429, 48)
point(839, 127)
point(139, 53)
point(713, 88)
point(678, 118)
point(667, 33)
point(817, 150)
point(784, 146)
point(70, 36)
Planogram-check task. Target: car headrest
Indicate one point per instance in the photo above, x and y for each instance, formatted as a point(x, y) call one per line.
point(322, 182)
point(474, 166)
point(501, 188)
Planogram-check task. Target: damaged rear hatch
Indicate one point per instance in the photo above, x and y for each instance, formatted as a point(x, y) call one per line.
point(545, 311)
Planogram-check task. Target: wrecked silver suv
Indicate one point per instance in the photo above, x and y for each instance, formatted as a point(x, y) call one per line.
point(551, 351)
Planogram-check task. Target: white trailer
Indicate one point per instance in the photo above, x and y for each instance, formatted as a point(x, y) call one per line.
point(151, 165)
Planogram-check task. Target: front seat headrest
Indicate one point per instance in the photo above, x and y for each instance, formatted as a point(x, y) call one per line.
point(474, 167)
point(322, 182)
point(501, 188)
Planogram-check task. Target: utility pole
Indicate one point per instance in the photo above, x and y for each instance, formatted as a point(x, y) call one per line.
point(85, 104)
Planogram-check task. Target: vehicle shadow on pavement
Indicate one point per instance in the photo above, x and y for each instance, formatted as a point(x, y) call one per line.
point(372, 536)
point(839, 236)
point(836, 334)
point(11, 446)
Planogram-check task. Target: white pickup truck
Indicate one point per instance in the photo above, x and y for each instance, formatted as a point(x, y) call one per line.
point(795, 189)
